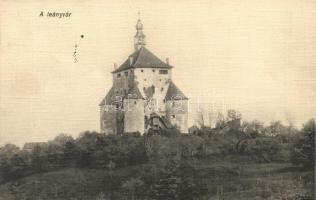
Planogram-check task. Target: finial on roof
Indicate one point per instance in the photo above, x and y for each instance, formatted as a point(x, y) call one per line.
point(139, 38)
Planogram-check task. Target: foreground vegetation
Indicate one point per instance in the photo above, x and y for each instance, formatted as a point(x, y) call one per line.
point(251, 161)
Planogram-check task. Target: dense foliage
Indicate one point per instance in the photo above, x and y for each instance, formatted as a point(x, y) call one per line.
point(168, 160)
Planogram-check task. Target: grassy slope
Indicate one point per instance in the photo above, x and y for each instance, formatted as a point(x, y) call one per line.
point(248, 181)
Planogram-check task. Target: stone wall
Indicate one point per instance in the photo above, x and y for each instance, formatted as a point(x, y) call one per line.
point(177, 114)
point(134, 115)
point(124, 81)
point(111, 120)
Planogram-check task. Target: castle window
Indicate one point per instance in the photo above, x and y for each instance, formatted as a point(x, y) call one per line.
point(163, 71)
point(153, 70)
point(118, 75)
point(142, 70)
point(161, 89)
point(144, 88)
point(159, 79)
point(145, 79)
point(135, 102)
point(173, 116)
point(126, 73)
point(164, 101)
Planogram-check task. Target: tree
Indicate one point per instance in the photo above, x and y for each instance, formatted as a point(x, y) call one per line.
point(62, 139)
point(131, 187)
point(275, 128)
point(167, 186)
point(260, 149)
point(303, 149)
point(233, 115)
point(9, 150)
point(38, 158)
point(253, 128)
point(220, 121)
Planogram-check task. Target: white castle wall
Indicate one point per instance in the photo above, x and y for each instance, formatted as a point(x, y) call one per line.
point(148, 77)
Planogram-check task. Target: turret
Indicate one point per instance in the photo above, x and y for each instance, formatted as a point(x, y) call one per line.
point(139, 38)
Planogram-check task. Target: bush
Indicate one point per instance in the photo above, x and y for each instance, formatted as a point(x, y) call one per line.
point(260, 149)
point(303, 149)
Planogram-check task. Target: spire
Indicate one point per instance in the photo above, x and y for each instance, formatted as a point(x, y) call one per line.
point(139, 38)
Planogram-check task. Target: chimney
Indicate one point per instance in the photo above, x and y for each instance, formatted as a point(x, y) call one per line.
point(130, 61)
point(115, 66)
point(167, 61)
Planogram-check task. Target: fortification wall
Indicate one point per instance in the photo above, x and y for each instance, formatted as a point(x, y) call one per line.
point(134, 115)
point(123, 80)
point(177, 114)
point(111, 120)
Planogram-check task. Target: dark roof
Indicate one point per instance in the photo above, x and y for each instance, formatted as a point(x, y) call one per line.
point(174, 93)
point(142, 58)
point(111, 96)
point(134, 93)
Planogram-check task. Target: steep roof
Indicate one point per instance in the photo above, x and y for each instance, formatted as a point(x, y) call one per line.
point(174, 93)
point(142, 58)
point(111, 96)
point(134, 93)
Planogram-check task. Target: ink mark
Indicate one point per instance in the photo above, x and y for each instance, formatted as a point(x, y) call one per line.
point(75, 54)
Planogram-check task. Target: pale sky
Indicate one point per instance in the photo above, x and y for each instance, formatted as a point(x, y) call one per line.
point(256, 56)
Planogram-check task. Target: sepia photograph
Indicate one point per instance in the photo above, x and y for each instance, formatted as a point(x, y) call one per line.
point(157, 100)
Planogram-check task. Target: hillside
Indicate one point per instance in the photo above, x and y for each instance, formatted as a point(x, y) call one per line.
point(235, 163)
point(218, 178)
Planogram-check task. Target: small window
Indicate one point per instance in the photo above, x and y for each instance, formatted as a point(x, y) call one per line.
point(144, 88)
point(173, 116)
point(135, 102)
point(118, 75)
point(145, 79)
point(163, 71)
point(159, 79)
point(142, 70)
point(161, 89)
point(153, 70)
point(164, 101)
point(126, 73)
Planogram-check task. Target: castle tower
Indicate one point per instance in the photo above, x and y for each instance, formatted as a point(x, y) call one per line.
point(143, 96)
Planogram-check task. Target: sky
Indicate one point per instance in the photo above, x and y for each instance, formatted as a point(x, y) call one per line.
point(255, 56)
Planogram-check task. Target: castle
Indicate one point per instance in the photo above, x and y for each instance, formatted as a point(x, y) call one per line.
point(143, 96)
